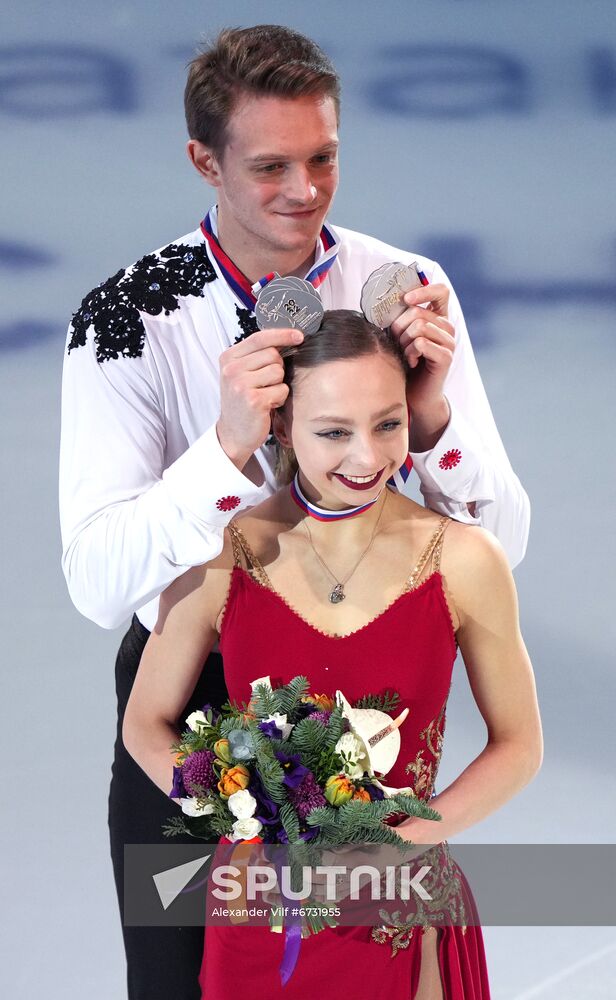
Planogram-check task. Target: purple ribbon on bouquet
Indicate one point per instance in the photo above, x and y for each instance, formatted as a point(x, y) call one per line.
point(292, 933)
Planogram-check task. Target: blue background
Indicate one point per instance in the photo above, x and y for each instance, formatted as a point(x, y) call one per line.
point(478, 132)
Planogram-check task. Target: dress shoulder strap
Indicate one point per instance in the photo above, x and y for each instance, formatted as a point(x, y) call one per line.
point(244, 557)
point(431, 555)
point(239, 556)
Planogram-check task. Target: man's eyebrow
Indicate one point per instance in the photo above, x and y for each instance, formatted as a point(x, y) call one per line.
point(345, 420)
point(277, 157)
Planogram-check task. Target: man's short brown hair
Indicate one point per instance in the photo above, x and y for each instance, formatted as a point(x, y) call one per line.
point(267, 59)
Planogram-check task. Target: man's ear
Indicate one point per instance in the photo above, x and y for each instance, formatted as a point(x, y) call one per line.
point(204, 160)
point(279, 428)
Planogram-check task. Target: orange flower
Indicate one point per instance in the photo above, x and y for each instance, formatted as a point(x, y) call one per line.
point(233, 779)
point(361, 795)
point(322, 701)
point(338, 789)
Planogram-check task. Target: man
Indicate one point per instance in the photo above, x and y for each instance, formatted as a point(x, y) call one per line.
point(168, 390)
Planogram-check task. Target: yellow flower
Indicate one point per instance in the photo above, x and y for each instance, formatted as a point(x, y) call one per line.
point(338, 789)
point(233, 779)
point(222, 751)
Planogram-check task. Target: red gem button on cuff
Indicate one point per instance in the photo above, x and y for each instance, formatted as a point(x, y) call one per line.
point(228, 503)
point(450, 459)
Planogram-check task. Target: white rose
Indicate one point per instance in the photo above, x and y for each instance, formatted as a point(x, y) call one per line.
point(356, 759)
point(195, 720)
point(190, 807)
point(281, 722)
point(242, 804)
point(245, 829)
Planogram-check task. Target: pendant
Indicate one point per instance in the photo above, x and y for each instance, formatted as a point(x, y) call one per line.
point(337, 594)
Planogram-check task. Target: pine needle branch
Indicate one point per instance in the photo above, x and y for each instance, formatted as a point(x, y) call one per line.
point(264, 701)
point(290, 696)
point(385, 702)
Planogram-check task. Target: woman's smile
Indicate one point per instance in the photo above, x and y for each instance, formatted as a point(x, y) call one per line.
point(360, 482)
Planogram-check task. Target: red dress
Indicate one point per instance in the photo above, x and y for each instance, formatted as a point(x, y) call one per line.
point(410, 648)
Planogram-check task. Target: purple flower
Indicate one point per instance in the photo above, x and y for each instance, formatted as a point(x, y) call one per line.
point(178, 791)
point(375, 793)
point(322, 716)
point(307, 796)
point(294, 771)
point(198, 769)
point(267, 809)
point(310, 834)
point(271, 729)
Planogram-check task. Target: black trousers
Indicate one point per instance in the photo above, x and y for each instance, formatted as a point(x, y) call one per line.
point(163, 963)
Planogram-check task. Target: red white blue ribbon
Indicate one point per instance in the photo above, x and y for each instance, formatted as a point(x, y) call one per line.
point(239, 283)
point(262, 282)
point(400, 477)
point(330, 250)
point(319, 513)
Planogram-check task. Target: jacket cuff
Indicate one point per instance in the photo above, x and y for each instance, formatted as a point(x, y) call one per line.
point(455, 467)
point(205, 482)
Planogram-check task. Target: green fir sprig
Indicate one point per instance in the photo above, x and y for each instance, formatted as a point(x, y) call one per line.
point(264, 701)
point(290, 696)
point(290, 822)
point(385, 702)
point(362, 822)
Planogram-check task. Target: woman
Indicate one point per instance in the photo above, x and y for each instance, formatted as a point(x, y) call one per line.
point(338, 577)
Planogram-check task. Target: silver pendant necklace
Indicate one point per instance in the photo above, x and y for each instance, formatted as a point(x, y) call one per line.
point(337, 594)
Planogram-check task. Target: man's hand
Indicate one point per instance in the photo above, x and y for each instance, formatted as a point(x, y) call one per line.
point(251, 385)
point(428, 340)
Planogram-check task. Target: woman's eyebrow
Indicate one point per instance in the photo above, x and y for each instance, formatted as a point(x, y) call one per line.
point(345, 420)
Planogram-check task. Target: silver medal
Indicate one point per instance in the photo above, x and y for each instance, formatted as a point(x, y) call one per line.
point(381, 296)
point(286, 302)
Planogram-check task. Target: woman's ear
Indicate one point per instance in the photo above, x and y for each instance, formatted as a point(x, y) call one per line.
point(279, 428)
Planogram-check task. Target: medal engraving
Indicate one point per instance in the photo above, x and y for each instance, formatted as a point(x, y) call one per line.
point(284, 304)
point(381, 296)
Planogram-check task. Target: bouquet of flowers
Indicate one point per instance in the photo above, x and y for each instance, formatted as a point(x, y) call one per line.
point(297, 769)
point(292, 767)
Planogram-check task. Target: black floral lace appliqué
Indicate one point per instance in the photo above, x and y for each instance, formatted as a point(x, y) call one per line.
point(247, 322)
point(153, 285)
